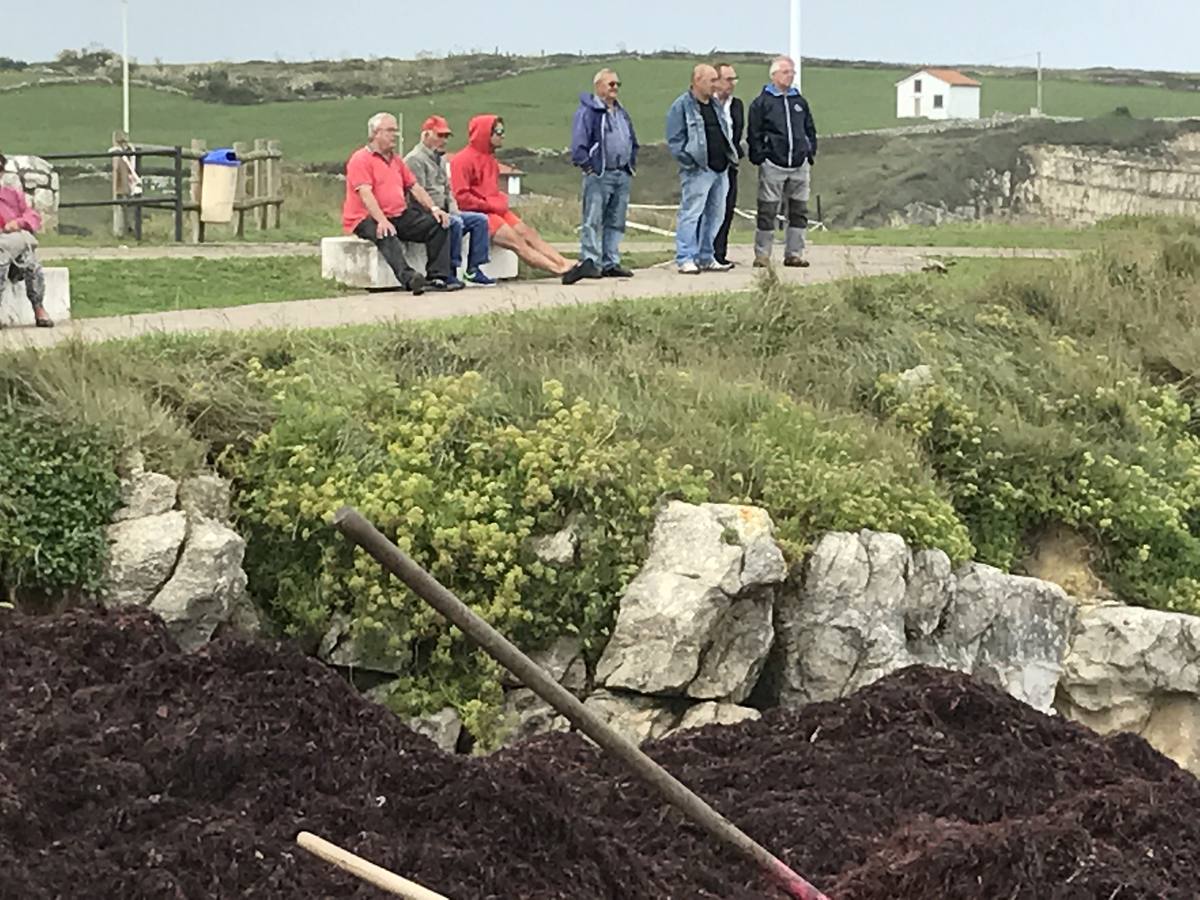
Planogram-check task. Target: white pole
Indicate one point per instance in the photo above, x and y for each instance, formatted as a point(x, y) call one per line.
point(125, 61)
point(1039, 82)
point(794, 43)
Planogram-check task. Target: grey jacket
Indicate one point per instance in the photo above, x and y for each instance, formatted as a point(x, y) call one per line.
point(432, 173)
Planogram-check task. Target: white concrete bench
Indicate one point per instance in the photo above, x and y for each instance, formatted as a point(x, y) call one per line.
point(354, 262)
point(14, 305)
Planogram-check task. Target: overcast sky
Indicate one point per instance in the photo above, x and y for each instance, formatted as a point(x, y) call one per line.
point(1151, 34)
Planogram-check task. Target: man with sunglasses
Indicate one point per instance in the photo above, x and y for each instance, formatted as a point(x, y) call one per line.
point(604, 146)
point(735, 112)
point(475, 179)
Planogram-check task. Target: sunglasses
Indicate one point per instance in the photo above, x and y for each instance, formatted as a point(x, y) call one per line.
point(498, 130)
point(614, 84)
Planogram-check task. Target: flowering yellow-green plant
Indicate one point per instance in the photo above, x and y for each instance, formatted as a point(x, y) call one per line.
point(1141, 491)
point(461, 488)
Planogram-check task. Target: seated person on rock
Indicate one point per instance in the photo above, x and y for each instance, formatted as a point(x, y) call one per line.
point(18, 259)
point(377, 209)
point(475, 178)
point(427, 162)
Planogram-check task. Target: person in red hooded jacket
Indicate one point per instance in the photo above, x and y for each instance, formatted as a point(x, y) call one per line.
point(475, 180)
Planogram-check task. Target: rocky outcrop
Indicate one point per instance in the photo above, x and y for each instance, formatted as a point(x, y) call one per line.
point(696, 621)
point(1085, 184)
point(866, 605)
point(167, 554)
point(1137, 670)
point(341, 646)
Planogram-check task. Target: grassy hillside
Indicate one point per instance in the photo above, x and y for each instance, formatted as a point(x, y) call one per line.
point(537, 106)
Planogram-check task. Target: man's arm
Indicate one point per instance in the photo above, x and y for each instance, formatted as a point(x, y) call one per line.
point(580, 140)
point(422, 197)
point(383, 227)
point(810, 131)
point(634, 141)
point(677, 135)
point(754, 133)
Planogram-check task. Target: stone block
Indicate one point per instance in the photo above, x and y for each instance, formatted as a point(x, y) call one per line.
point(15, 308)
point(354, 262)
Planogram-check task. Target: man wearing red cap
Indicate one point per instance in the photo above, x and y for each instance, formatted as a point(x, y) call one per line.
point(427, 161)
point(377, 210)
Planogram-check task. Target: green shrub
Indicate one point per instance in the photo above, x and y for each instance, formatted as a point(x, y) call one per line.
point(58, 489)
point(1120, 466)
point(838, 474)
point(440, 469)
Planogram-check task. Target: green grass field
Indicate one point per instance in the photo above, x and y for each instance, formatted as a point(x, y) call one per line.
point(537, 107)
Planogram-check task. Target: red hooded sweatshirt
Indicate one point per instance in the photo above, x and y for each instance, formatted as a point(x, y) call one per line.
point(475, 171)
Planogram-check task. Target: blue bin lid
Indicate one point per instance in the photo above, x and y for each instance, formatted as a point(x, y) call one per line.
point(222, 157)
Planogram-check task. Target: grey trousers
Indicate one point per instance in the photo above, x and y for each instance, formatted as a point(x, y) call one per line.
point(19, 262)
point(788, 187)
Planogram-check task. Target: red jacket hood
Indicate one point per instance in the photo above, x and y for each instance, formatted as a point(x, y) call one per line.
point(479, 133)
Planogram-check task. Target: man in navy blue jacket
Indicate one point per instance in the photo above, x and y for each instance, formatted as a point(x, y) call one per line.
point(604, 146)
point(783, 144)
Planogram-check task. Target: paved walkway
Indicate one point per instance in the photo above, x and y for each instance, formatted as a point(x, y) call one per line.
point(313, 248)
point(829, 263)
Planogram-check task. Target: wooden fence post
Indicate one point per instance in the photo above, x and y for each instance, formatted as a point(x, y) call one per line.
point(260, 182)
point(200, 147)
point(239, 196)
point(275, 182)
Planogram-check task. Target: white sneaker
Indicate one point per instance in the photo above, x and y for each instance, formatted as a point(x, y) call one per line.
point(689, 268)
point(715, 266)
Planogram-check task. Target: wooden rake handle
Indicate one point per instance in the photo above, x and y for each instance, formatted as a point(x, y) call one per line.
point(367, 871)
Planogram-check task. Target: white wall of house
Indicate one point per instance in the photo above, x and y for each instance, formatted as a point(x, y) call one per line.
point(964, 102)
point(924, 96)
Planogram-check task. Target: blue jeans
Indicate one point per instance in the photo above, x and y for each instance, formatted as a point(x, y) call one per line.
point(605, 201)
point(474, 224)
point(701, 212)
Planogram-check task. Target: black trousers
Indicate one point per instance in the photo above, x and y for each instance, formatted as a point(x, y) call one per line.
point(418, 227)
point(721, 244)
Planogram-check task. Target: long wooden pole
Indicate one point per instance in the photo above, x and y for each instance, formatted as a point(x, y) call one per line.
point(352, 524)
point(367, 871)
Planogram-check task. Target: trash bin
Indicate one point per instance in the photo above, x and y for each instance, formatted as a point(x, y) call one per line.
point(219, 186)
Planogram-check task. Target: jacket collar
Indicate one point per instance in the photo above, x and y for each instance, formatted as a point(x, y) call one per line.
point(428, 151)
point(776, 92)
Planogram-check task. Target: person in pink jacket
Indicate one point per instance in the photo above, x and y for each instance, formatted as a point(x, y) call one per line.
point(19, 222)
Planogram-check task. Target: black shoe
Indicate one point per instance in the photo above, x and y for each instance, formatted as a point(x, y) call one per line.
point(444, 286)
point(416, 284)
point(616, 272)
point(726, 262)
point(583, 269)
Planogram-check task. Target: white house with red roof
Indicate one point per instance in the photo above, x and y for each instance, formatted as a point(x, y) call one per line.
point(938, 94)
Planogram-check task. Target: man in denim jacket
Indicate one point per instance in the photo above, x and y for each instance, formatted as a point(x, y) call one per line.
point(604, 146)
point(699, 138)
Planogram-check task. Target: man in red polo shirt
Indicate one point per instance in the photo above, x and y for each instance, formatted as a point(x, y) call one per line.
point(377, 210)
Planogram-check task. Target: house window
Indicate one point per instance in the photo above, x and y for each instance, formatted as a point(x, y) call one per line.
point(917, 86)
point(938, 101)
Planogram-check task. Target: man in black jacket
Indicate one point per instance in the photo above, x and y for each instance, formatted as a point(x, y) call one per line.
point(736, 113)
point(783, 144)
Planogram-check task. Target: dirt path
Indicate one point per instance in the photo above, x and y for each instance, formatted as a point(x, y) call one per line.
point(829, 263)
